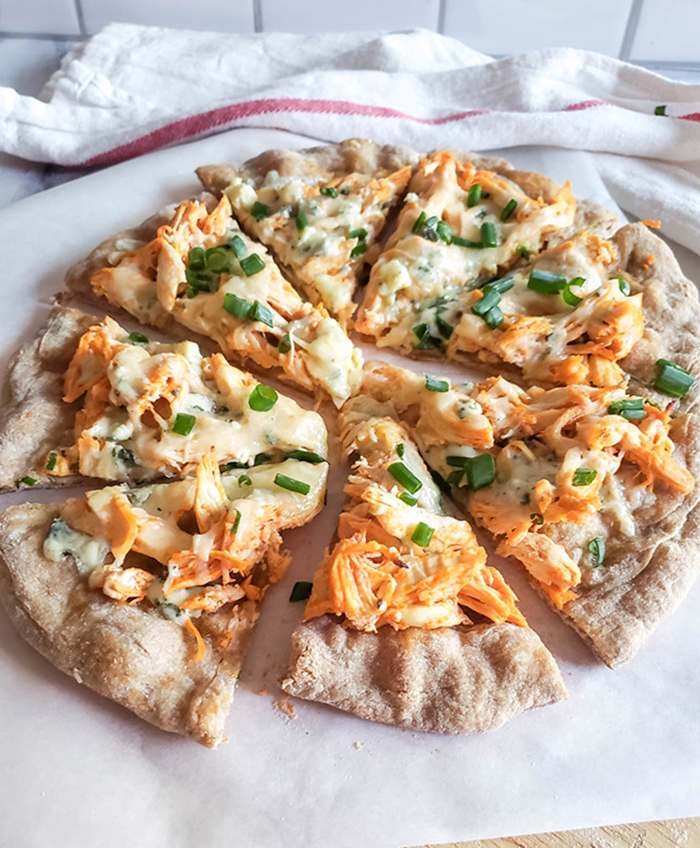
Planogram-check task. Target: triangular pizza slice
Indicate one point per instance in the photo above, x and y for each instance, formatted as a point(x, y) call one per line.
point(88, 398)
point(320, 211)
point(406, 623)
point(149, 595)
point(592, 490)
point(194, 267)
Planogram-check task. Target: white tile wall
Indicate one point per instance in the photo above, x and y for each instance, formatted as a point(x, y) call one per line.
point(226, 15)
point(668, 30)
point(50, 16)
point(344, 15)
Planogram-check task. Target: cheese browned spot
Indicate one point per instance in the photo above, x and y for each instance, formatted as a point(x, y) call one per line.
point(156, 409)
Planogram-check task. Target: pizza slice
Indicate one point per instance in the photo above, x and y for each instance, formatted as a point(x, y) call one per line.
point(406, 623)
point(321, 211)
point(194, 267)
point(591, 489)
point(89, 398)
point(149, 595)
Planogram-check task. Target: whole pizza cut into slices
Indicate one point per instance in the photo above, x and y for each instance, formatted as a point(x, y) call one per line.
point(90, 399)
point(149, 595)
point(406, 623)
point(592, 490)
point(194, 267)
point(320, 211)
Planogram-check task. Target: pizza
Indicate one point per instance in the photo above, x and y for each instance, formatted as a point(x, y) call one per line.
point(406, 623)
point(575, 449)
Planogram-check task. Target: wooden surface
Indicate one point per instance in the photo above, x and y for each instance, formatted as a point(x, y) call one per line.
point(679, 833)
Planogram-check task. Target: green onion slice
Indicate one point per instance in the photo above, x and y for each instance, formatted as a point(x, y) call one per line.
point(328, 191)
point(625, 287)
point(230, 466)
point(401, 450)
point(51, 461)
point(444, 231)
point(489, 236)
point(301, 221)
point(184, 424)
point(196, 260)
point(481, 471)
point(422, 534)
point(236, 523)
point(28, 481)
point(291, 484)
point(457, 461)
point(454, 478)
point(523, 251)
point(306, 456)
point(583, 476)
point(630, 408)
point(138, 338)
point(501, 286)
point(244, 480)
point(301, 591)
point(434, 385)
point(494, 317)
point(237, 306)
point(260, 210)
point(546, 282)
point(474, 195)
point(660, 110)
point(358, 250)
point(260, 458)
point(568, 296)
point(262, 398)
point(405, 476)
point(671, 379)
point(425, 340)
point(217, 259)
point(418, 224)
point(238, 246)
point(537, 517)
point(461, 242)
point(252, 264)
point(487, 301)
point(260, 312)
point(444, 328)
point(408, 499)
point(360, 233)
point(597, 549)
point(509, 208)
point(284, 345)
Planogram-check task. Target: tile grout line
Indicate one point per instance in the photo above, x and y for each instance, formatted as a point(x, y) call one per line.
point(257, 16)
point(630, 30)
point(42, 36)
point(442, 12)
point(81, 16)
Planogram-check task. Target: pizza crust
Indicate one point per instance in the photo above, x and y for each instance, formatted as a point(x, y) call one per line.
point(133, 656)
point(452, 680)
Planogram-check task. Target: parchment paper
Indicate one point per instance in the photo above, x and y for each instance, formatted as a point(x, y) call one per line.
point(80, 771)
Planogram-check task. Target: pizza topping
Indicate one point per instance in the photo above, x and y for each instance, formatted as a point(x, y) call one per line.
point(157, 408)
point(204, 272)
point(672, 380)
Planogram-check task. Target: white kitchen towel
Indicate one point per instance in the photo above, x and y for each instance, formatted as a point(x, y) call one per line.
point(131, 89)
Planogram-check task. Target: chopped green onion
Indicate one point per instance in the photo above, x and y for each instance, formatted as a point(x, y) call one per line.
point(252, 264)
point(455, 460)
point(345, 190)
point(244, 480)
point(625, 287)
point(401, 450)
point(425, 340)
point(630, 408)
point(671, 379)
point(284, 345)
point(196, 259)
point(481, 471)
point(329, 191)
point(583, 476)
point(230, 466)
point(489, 236)
point(238, 246)
point(262, 398)
point(444, 231)
point(474, 195)
point(537, 517)
point(291, 484)
point(218, 261)
point(236, 523)
point(433, 385)
point(301, 591)
point(405, 476)
point(487, 301)
point(418, 224)
point(444, 328)
point(138, 338)
point(260, 210)
point(184, 424)
point(494, 317)
point(306, 456)
point(523, 251)
point(301, 221)
point(455, 477)
point(509, 208)
point(660, 110)
point(358, 250)
point(237, 306)
point(501, 286)
point(408, 499)
point(51, 461)
point(360, 233)
point(461, 242)
point(422, 534)
point(28, 481)
point(260, 458)
point(597, 548)
point(199, 281)
point(546, 282)
point(568, 296)
point(260, 312)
